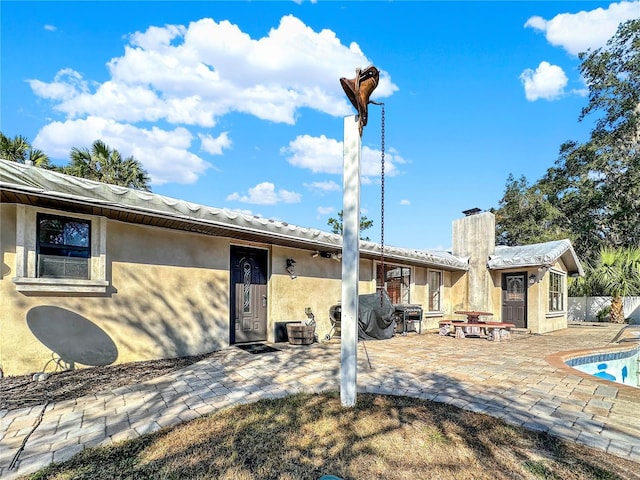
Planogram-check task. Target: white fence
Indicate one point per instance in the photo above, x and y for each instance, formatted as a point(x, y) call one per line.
point(585, 309)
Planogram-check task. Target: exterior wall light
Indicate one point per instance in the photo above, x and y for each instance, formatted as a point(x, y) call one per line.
point(532, 279)
point(291, 269)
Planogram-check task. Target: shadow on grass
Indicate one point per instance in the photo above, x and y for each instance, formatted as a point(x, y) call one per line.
point(306, 436)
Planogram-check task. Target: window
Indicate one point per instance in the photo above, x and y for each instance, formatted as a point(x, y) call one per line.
point(397, 281)
point(63, 247)
point(247, 269)
point(56, 253)
point(556, 292)
point(515, 290)
point(435, 284)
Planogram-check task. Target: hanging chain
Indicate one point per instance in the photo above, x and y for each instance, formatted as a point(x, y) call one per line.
point(381, 200)
point(382, 194)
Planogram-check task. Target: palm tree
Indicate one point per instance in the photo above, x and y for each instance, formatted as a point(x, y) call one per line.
point(615, 273)
point(38, 158)
point(18, 149)
point(103, 164)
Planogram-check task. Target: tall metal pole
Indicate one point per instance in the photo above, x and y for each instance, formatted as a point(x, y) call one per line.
point(350, 261)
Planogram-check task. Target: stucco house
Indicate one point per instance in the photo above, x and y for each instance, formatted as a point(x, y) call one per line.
point(98, 274)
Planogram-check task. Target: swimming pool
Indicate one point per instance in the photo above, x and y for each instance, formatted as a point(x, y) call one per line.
point(620, 367)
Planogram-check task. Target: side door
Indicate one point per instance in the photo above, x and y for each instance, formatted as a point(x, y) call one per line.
point(248, 305)
point(514, 298)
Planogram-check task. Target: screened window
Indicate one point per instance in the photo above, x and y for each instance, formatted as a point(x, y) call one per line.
point(435, 290)
point(63, 247)
point(556, 292)
point(396, 281)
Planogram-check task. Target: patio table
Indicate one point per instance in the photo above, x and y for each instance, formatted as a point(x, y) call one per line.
point(473, 316)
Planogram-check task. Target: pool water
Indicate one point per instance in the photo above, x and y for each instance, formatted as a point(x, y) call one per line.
point(620, 367)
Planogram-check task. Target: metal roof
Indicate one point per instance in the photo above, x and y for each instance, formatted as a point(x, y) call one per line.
point(45, 188)
point(537, 254)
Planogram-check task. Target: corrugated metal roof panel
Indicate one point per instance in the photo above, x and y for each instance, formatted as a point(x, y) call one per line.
point(544, 254)
point(35, 186)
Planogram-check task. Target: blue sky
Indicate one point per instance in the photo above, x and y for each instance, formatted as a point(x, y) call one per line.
point(239, 105)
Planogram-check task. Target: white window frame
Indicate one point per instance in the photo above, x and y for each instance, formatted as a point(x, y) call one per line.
point(440, 291)
point(26, 279)
point(563, 287)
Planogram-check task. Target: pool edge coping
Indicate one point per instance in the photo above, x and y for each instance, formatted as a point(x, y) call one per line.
point(558, 360)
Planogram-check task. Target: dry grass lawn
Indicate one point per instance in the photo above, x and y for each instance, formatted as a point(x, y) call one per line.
point(307, 436)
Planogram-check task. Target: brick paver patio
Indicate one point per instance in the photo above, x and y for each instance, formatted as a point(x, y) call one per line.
point(519, 380)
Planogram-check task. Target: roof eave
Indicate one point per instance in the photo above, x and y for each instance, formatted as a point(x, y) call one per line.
point(235, 231)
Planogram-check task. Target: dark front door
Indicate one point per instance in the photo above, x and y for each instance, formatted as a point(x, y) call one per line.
point(514, 299)
point(248, 306)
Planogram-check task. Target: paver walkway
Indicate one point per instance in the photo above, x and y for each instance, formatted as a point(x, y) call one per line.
point(511, 380)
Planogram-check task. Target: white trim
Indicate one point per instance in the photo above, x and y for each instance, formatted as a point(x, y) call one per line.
point(564, 287)
point(60, 285)
point(440, 291)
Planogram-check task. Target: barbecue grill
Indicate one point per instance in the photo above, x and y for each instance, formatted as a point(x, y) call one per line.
point(408, 314)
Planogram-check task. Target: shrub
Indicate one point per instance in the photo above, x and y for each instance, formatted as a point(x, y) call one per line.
point(604, 313)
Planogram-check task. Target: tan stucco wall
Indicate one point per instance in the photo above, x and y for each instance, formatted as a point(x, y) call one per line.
point(548, 322)
point(172, 289)
point(457, 291)
point(168, 297)
point(473, 236)
point(539, 320)
point(454, 296)
point(419, 291)
point(496, 294)
point(318, 285)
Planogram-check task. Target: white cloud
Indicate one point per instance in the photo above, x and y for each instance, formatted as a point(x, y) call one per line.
point(325, 210)
point(547, 82)
point(372, 162)
point(404, 201)
point(193, 75)
point(325, 155)
point(578, 32)
point(67, 84)
point(163, 153)
point(50, 28)
point(323, 187)
point(318, 154)
point(265, 194)
point(215, 145)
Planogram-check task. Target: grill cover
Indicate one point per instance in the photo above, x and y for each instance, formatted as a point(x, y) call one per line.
point(376, 320)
